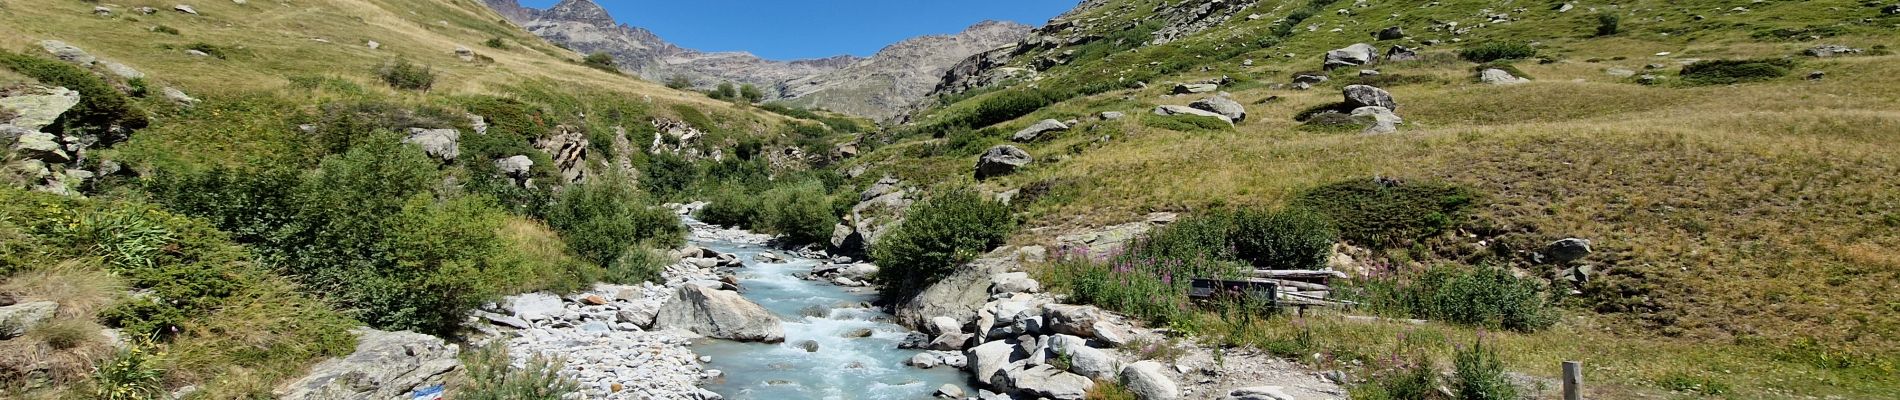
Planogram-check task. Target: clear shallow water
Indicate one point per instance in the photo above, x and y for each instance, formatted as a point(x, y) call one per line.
point(842, 368)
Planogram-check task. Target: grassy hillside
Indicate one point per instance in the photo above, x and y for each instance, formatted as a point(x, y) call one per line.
point(1748, 228)
point(261, 222)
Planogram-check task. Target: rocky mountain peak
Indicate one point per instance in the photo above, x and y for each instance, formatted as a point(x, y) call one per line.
point(583, 11)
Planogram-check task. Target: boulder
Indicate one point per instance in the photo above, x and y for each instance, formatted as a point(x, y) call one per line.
point(1170, 110)
point(641, 317)
point(36, 107)
point(122, 71)
point(1112, 115)
point(945, 325)
point(1830, 50)
point(439, 143)
point(1377, 120)
point(385, 365)
point(1191, 88)
point(1392, 33)
point(718, 314)
point(1033, 132)
point(1084, 360)
point(1259, 393)
point(1354, 55)
point(1368, 96)
point(1044, 381)
point(68, 53)
point(1147, 381)
point(535, 306)
point(1567, 250)
point(989, 358)
point(1014, 282)
point(178, 96)
point(950, 341)
point(41, 146)
point(1401, 53)
point(1071, 319)
point(503, 320)
point(959, 295)
point(1496, 76)
point(1001, 160)
point(185, 9)
point(16, 319)
point(949, 391)
point(1224, 106)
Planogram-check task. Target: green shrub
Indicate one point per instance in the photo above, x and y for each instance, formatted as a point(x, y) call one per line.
point(1494, 51)
point(800, 211)
point(1477, 374)
point(1414, 379)
point(1608, 24)
point(495, 43)
point(751, 93)
point(936, 237)
point(491, 375)
point(602, 219)
point(1285, 239)
point(134, 372)
point(1381, 213)
point(725, 91)
point(101, 107)
point(1186, 123)
point(402, 74)
point(165, 30)
point(679, 82)
point(636, 264)
point(730, 205)
point(669, 176)
point(1725, 72)
point(1478, 296)
point(601, 61)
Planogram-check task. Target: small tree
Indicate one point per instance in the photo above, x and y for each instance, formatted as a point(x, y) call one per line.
point(946, 231)
point(1607, 24)
point(601, 61)
point(751, 94)
point(725, 91)
point(679, 82)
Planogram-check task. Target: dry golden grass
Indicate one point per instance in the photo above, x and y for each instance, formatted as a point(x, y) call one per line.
point(62, 350)
point(79, 286)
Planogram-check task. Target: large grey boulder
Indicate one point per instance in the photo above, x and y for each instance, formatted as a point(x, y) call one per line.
point(1401, 53)
point(1368, 96)
point(1391, 33)
point(1354, 55)
point(1259, 393)
point(1830, 50)
point(1014, 282)
point(1567, 250)
point(386, 365)
point(1496, 76)
point(1376, 120)
point(68, 53)
point(1034, 132)
point(1147, 381)
point(958, 296)
point(1172, 110)
point(516, 167)
point(1192, 88)
point(719, 314)
point(1084, 360)
point(989, 358)
point(1044, 381)
point(535, 306)
point(442, 144)
point(1001, 160)
point(34, 108)
point(1071, 319)
point(16, 319)
point(1224, 106)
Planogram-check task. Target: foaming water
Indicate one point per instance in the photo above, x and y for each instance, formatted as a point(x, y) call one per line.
point(845, 366)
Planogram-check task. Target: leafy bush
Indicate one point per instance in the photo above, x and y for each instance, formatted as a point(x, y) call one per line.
point(133, 373)
point(1186, 123)
point(668, 176)
point(1478, 296)
point(637, 264)
point(1494, 51)
point(165, 30)
point(1382, 213)
point(101, 107)
point(1477, 374)
point(751, 93)
point(601, 61)
point(492, 376)
point(603, 219)
point(1608, 24)
point(1286, 239)
point(725, 91)
point(495, 43)
point(730, 205)
point(1413, 379)
point(1725, 72)
point(937, 236)
point(679, 82)
point(800, 211)
point(402, 74)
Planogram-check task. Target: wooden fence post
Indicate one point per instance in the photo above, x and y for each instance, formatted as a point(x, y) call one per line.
point(1573, 380)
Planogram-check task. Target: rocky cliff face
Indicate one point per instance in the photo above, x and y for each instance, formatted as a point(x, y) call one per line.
point(879, 87)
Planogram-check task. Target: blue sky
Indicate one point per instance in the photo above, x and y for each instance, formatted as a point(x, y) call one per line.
point(790, 29)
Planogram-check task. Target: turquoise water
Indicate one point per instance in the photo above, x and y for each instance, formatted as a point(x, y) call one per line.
point(842, 368)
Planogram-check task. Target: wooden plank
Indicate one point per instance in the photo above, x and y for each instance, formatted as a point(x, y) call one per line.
point(1573, 380)
point(1297, 274)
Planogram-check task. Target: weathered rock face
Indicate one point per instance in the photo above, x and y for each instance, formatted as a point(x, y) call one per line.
point(68, 53)
point(958, 296)
point(1001, 160)
point(33, 108)
point(443, 144)
point(990, 358)
point(1368, 96)
point(1036, 131)
point(567, 145)
point(16, 319)
point(1224, 106)
point(1376, 120)
point(1496, 76)
point(1146, 380)
point(1044, 381)
point(1173, 110)
point(719, 314)
point(386, 365)
point(884, 85)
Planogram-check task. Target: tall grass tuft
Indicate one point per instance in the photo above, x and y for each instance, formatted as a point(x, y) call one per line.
point(136, 372)
point(1477, 374)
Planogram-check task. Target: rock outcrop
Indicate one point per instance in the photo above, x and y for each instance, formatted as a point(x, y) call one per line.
point(385, 365)
point(1001, 160)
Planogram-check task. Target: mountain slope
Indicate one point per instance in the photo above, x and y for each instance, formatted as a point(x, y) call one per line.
point(879, 87)
point(1691, 192)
